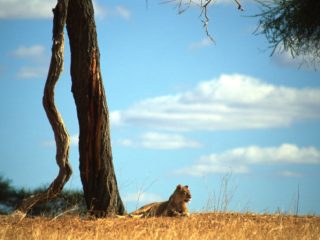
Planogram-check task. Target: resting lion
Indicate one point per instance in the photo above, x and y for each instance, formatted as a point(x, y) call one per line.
point(175, 206)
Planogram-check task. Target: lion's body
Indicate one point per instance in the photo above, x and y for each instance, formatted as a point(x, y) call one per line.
point(175, 206)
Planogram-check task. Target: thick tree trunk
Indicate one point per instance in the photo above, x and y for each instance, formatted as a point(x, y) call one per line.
point(55, 119)
point(96, 166)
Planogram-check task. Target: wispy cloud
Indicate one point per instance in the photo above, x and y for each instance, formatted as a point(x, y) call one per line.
point(48, 143)
point(123, 12)
point(36, 51)
point(239, 160)
point(287, 173)
point(227, 103)
point(162, 141)
point(34, 54)
point(102, 11)
point(285, 58)
point(142, 198)
point(32, 72)
point(201, 169)
point(74, 140)
point(205, 42)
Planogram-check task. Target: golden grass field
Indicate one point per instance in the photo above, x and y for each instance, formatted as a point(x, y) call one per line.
point(198, 226)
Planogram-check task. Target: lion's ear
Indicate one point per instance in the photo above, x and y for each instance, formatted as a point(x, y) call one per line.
point(186, 186)
point(179, 187)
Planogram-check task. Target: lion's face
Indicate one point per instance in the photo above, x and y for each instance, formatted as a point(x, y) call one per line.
point(182, 193)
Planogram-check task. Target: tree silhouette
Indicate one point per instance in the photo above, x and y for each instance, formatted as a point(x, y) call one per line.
point(292, 25)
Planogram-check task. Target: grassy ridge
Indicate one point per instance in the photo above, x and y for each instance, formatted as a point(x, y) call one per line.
point(198, 226)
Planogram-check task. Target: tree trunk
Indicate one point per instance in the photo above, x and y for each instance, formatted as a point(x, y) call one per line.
point(55, 119)
point(96, 166)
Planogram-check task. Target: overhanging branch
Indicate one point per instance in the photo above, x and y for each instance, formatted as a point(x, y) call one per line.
point(183, 5)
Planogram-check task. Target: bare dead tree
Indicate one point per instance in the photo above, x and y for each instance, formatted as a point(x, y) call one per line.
point(96, 161)
point(60, 133)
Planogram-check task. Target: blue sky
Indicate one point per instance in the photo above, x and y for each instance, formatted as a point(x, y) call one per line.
point(182, 109)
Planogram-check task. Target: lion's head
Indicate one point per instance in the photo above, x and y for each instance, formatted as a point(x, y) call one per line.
point(182, 194)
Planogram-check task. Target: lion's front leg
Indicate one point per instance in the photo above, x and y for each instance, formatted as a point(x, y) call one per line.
point(185, 214)
point(173, 213)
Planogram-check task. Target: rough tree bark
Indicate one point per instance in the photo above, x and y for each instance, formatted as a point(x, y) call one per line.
point(60, 133)
point(96, 164)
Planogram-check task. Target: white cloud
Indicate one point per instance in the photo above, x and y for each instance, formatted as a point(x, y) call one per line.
point(205, 169)
point(102, 11)
point(99, 10)
point(48, 143)
point(239, 160)
point(119, 11)
point(33, 52)
point(142, 197)
point(31, 9)
point(227, 103)
point(32, 72)
point(287, 173)
point(167, 141)
point(126, 142)
point(74, 140)
point(286, 153)
point(205, 42)
point(39, 9)
point(156, 140)
point(123, 12)
point(285, 58)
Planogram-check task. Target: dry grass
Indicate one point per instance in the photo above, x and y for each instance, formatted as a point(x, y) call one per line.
point(198, 226)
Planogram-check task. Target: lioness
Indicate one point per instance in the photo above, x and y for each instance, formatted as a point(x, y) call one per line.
point(175, 206)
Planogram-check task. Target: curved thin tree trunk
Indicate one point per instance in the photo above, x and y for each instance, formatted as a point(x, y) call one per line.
point(96, 166)
point(61, 136)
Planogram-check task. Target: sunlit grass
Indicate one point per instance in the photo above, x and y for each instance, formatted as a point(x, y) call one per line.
point(198, 226)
